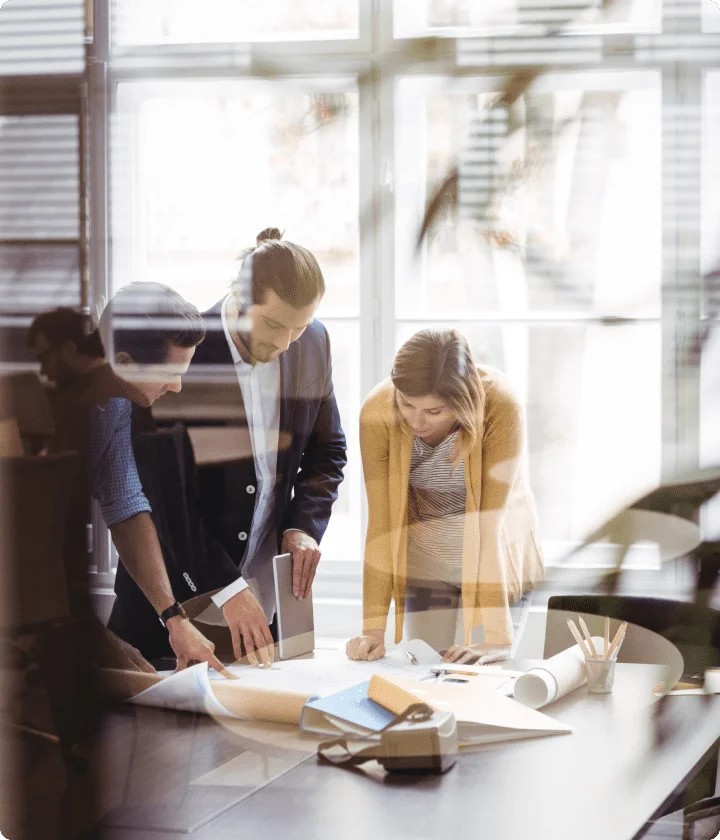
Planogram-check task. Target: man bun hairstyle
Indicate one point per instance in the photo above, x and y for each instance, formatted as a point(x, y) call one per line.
point(274, 264)
point(148, 319)
point(268, 235)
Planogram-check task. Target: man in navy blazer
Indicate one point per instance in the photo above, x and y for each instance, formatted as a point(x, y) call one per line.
point(277, 496)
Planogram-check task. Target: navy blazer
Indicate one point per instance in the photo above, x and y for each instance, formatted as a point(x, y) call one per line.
point(311, 452)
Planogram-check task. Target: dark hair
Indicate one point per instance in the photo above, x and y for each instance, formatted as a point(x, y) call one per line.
point(65, 324)
point(287, 269)
point(148, 318)
point(440, 362)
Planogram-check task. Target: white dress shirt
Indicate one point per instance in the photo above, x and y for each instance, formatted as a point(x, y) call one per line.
point(260, 388)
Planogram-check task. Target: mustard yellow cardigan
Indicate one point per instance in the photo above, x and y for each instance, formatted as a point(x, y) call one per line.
point(501, 556)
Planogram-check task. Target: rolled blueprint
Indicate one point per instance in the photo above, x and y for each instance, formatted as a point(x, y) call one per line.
point(555, 678)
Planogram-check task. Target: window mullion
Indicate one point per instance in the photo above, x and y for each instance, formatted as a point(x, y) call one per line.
point(96, 145)
point(682, 141)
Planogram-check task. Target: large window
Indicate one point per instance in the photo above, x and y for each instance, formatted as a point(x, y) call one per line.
point(201, 167)
point(563, 248)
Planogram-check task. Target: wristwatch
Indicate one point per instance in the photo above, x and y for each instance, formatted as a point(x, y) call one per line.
point(171, 612)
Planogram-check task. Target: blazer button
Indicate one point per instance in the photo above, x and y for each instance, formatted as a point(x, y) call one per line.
point(250, 489)
point(242, 536)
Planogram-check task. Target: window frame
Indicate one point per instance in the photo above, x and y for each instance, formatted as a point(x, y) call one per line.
point(378, 59)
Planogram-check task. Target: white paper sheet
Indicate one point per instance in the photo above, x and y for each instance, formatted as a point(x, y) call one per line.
point(188, 691)
point(275, 694)
point(557, 677)
point(321, 675)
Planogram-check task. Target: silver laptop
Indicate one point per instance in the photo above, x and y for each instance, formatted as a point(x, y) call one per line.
point(295, 621)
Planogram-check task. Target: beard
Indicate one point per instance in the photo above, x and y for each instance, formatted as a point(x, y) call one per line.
point(258, 351)
point(263, 352)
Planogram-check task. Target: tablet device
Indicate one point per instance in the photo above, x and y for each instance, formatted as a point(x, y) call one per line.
point(295, 622)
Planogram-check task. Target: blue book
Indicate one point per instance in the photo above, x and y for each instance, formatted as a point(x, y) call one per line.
point(349, 710)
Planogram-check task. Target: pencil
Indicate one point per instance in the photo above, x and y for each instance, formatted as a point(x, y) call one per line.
point(616, 653)
point(578, 638)
point(606, 634)
point(617, 641)
point(590, 642)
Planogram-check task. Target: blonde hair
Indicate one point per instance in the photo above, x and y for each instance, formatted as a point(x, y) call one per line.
point(439, 362)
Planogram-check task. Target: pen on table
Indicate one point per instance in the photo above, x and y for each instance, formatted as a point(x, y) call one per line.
point(606, 637)
point(591, 644)
point(617, 641)
point(578, 638)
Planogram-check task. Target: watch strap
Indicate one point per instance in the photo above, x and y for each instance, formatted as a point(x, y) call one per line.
point(171, 612)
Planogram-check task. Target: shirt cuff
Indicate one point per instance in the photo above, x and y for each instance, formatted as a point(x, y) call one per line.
point(119, 511)
point(224, 595)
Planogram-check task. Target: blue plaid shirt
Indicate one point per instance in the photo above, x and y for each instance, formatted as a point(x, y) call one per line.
point(115, 480)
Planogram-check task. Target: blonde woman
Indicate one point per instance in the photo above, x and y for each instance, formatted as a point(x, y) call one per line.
point(452, 531)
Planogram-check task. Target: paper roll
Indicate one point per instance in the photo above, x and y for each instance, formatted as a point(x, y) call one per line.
point(555, 678)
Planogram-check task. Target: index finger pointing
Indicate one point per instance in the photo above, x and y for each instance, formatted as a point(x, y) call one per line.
point(215, 663)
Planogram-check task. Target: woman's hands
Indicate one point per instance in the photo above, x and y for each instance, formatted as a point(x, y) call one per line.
point(476, 654)
point(368, 647)
point(371, 646)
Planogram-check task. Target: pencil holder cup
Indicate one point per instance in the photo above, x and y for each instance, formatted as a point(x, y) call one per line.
point(600, 675)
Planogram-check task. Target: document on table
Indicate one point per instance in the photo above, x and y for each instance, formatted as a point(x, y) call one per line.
point(276, 694)
point(321, 675)
point(482, 715)
point(187, 691)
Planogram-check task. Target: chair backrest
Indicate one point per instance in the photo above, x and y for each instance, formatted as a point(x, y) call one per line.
point(653, 622)
point(10, 443)
point(35, 498)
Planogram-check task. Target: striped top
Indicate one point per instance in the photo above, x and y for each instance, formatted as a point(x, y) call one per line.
point(436, 512)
